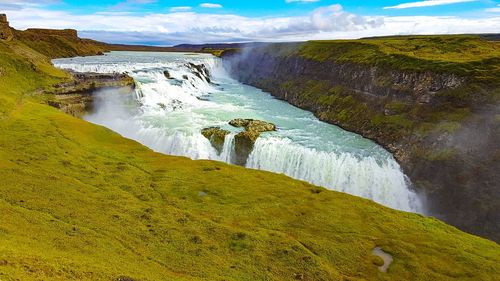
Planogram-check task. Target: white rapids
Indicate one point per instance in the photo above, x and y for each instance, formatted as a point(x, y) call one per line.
point(167, 115)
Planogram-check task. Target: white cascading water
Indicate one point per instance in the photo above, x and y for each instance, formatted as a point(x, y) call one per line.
point(228, 152)
point(169, 109)
point(320, 168)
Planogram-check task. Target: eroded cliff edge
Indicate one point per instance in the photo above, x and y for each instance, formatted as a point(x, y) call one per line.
point(433, 101)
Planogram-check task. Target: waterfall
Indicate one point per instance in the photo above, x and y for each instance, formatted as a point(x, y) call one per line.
point(227, 152)
point(366, 177)
point(175, 99)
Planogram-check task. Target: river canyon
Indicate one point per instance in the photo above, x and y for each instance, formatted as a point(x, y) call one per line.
point(177, 95)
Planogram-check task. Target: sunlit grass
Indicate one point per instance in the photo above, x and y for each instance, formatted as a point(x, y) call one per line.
point(461, 54)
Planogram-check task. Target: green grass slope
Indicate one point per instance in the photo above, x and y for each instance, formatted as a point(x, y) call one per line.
point(59, 43)
point(465, 55)
point(79, 202)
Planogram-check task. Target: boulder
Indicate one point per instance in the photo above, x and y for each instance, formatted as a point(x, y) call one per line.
point(245, 140)
point(167, 74)
point(239, 123)
point(243, 146)
point(216, 136)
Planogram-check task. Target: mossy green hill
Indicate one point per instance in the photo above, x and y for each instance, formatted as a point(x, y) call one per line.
point(79, 202)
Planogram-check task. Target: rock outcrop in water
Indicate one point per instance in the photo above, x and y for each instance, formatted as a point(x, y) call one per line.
point(167, 74)
point(216, 136)
point(440, 120)
point(200, 70)
point(243, 142)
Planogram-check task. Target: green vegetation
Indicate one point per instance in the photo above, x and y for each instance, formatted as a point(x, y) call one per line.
point(79, 202)
point(465, 55)
point(53, 44)
point(220, 52)
point(451, 48)
point(440, 155)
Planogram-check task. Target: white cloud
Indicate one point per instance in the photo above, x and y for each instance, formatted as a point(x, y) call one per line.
point(438, 25)
point(20, 4)
point(180, 9)
point(335, 18)
point(301, 1)
point(494, 10)
point(211, 5)
point(427, 3)
point(330, 22)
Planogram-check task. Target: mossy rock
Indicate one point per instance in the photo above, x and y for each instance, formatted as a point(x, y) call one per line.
point(253, 125)
point(245, 140)
point(243, 145)
point(216, 136)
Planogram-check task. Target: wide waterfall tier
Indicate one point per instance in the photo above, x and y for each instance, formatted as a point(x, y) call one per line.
point(178, 95)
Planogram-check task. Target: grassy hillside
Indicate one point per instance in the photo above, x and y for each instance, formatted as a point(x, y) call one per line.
point(465, 55)
point(79, 202)
point(59, 43)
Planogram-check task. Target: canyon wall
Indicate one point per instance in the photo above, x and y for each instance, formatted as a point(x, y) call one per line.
point(440, 120)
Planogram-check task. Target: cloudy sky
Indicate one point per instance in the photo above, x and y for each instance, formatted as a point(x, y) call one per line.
point(169, 22)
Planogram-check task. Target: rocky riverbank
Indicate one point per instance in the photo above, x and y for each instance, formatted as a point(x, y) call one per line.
point(76, 96)
point(439, 118)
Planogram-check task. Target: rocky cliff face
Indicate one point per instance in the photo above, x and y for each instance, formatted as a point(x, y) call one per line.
point(442, 127)
point(76, 96)
point(5, 30)
point(70, 33)
point(55, 43)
